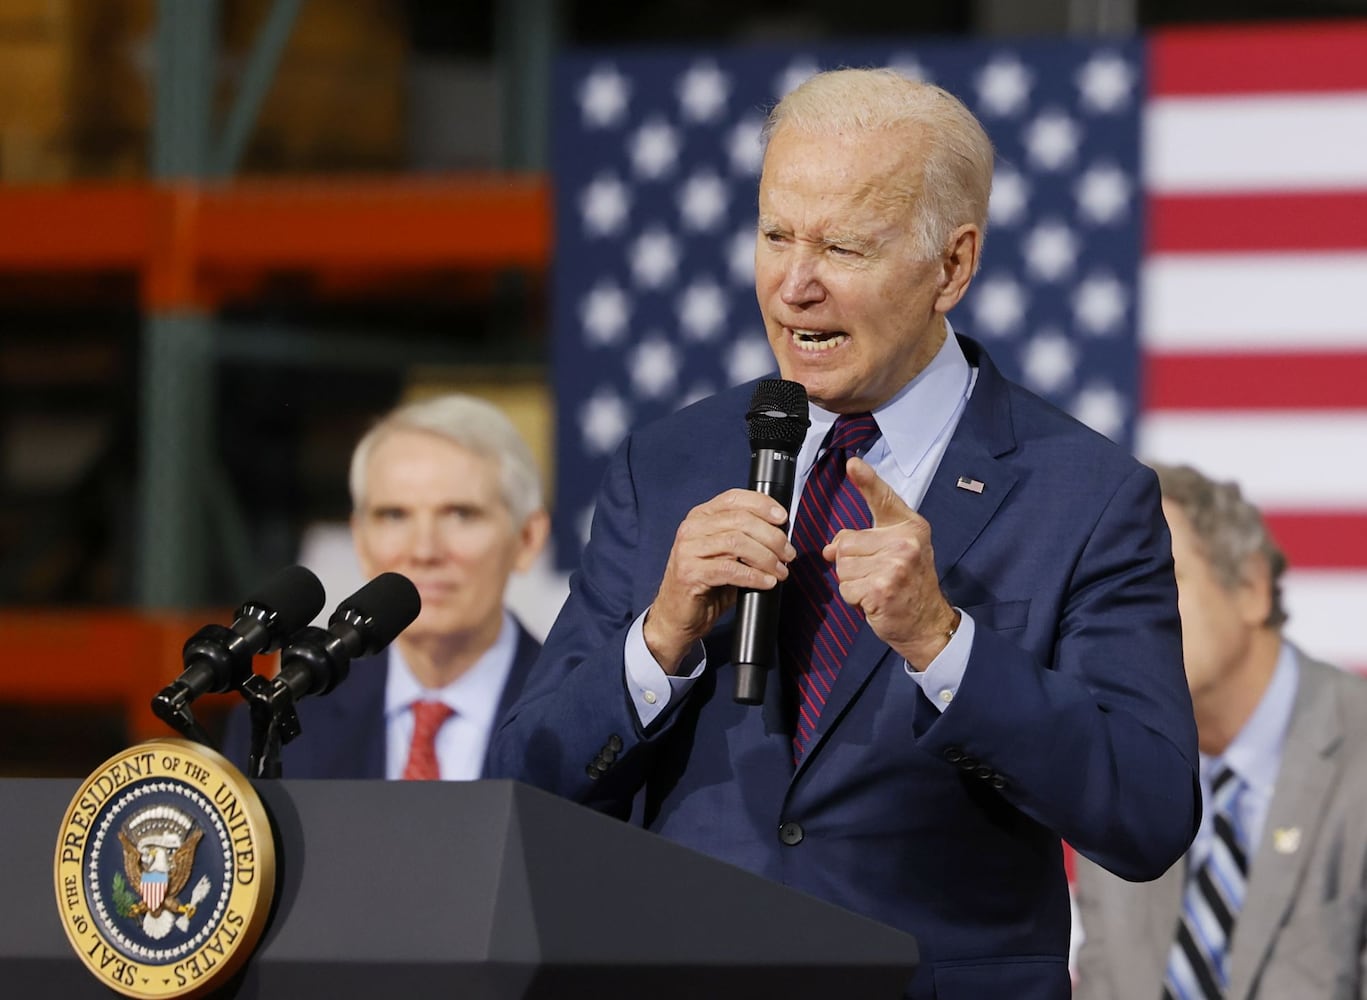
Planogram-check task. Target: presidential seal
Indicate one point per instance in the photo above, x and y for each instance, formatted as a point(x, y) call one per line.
point(165, 870)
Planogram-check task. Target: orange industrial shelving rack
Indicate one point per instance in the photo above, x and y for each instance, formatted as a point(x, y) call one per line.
point(176, 236)
point(182, 240)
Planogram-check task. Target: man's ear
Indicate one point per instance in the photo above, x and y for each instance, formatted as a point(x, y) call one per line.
point(532, 539)
point(958, 264)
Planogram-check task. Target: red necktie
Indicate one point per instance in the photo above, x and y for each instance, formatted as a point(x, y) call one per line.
point(818, 626)
point(422, 753)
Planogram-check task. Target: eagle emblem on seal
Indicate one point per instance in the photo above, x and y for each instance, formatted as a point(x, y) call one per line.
point(158, 856)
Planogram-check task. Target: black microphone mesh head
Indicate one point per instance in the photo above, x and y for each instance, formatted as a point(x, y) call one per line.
point(777, 417)
point(380, 610)
point(291, 598)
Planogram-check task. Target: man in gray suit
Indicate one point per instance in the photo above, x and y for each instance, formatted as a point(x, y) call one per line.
point(1292, 732)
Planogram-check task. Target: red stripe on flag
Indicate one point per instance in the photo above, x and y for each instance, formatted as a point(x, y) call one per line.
point(1261, 381)
point(1321, 539)
point(1263, 59)
point(1320, 222)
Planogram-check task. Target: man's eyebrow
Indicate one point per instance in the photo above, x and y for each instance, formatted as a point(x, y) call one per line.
point(854, 240)
point(848, 238)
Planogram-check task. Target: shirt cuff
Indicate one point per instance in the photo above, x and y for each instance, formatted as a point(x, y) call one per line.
point(941, 679)
point(650, 688)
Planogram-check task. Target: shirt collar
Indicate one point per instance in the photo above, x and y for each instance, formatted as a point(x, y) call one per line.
point(911, 421)
point(473, 696)
point(1255, 753)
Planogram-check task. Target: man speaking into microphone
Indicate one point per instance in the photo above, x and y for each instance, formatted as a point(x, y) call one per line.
point(978, 647)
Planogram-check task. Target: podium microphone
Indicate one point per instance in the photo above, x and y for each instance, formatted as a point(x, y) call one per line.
point(777, 423)
point(317, 660)
point(219, 659)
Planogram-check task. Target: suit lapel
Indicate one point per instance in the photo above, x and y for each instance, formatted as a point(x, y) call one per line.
point(523, 657)
point(957, 516)
point(1304, 782)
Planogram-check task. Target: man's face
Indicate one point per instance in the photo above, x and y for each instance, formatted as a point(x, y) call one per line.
point(851, 308)
point(433, 511)
point(1217, 623)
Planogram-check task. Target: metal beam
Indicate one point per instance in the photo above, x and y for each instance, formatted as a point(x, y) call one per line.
point(185, 501)
point(176, 381)
point(272, 343)
point(525, 36)
point(176, 411)
point(186, 54)
point(257, 78)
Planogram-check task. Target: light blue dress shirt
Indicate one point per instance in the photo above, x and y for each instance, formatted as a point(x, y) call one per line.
point(473, 696)
point(1255, 755)
point(916, 427)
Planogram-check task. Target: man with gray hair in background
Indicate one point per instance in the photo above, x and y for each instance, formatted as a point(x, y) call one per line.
point(445, 491)
point(1272, 899)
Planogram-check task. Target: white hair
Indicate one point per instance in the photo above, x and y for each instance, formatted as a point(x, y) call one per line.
point(471, 423)
point(956, 168)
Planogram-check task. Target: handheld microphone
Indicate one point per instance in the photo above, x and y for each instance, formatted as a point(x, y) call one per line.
point(219, 659)
point(777, 423)
point(317, 660)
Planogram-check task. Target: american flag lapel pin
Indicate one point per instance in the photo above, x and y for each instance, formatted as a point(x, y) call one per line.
point(972, 485)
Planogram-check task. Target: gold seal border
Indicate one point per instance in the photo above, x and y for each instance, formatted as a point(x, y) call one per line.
point(211, 775)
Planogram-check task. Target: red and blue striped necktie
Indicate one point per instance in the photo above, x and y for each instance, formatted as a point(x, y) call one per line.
point(818, 627)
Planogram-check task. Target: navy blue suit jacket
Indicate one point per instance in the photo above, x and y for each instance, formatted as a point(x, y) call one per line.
point(342, 734)
point(1073, 720)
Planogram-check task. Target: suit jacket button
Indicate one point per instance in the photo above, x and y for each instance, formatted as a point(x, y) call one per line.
point(983, 771)
point(968, 763)
point(594, 771)
point(791, 833)
point(608, 754)
point(615, 742)
point(953, 754)
point(997, 781)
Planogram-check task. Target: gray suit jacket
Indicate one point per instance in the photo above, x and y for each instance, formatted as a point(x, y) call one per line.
point(1301, 933)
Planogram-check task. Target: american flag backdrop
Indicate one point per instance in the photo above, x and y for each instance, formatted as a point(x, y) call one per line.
point(1176, 253)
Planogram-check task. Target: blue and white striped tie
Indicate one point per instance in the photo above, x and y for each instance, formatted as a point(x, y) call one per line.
point(1198, 965)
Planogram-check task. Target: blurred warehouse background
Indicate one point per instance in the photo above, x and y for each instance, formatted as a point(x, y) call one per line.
point(232, 232)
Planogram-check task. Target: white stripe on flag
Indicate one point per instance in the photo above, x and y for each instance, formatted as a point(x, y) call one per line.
point(1294, 460)
point(1251, 302)
point(1326, 614)
point(1243, 143)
